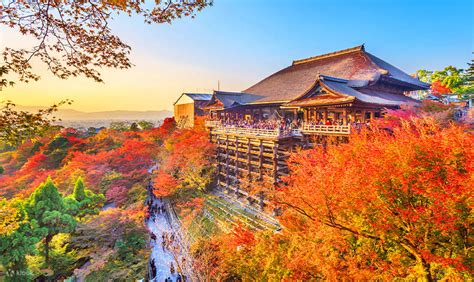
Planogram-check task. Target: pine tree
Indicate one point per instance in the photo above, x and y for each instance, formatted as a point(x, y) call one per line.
point(470, 74)
point(83, 201)
point(47, 207)
point(79, 193)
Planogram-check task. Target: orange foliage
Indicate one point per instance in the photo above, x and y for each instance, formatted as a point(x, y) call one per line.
point(185, 163)
point(398, 195)
point(164, 184)
point(386, 205)
point(437, 88)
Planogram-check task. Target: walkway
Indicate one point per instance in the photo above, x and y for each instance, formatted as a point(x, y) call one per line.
point(162, 253)
point(167, 245)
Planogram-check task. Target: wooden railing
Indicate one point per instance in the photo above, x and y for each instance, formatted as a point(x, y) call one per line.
point(212, 123)
point(330, 129)
point(218, 127)
point(252, 131)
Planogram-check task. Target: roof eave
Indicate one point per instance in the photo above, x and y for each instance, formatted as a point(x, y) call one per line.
point(267, 102)
point(412, 86)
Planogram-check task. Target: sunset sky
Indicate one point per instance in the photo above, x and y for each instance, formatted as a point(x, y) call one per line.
point(242, 41)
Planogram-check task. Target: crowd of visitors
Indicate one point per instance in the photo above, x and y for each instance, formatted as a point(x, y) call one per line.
point(167, 240)
point(285, 124)
point(338, 122)
point(270, 124)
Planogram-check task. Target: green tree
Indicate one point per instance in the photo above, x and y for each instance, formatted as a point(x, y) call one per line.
point(19, 240)
point(458, 81)
point(47, 207)
point(144, 124)
point(134, 126)
point(450, 77)
point(119, 126)
point(424, 75)
point(467, 91)
point(83, 201)
point(470, 74)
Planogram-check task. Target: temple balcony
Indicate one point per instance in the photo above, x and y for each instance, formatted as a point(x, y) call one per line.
point(212, 123)
point(255, 132)
point(326, 129)
point(217, 127)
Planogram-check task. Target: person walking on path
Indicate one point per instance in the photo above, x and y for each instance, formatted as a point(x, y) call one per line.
point(172, 270)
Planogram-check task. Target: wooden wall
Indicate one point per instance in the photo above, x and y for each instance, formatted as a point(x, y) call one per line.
point(184, 114)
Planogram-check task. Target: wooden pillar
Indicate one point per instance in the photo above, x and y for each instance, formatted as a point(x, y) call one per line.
point(227, 162)
point(236, 165)
point(260, 168)
point(275, 162)
point(362, 116)
point(344, 116)
point(249, 159)
point(325, 116)
point(218, 161)
point(236, 161)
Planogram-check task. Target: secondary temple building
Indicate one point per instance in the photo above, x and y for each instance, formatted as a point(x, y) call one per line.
point(327, 95)
point(188, 106)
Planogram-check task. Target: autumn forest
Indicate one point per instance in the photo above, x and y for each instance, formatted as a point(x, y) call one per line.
point(339, 166)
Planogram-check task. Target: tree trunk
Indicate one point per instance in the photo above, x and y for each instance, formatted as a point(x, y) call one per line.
point(427, 269)
point(47, 240)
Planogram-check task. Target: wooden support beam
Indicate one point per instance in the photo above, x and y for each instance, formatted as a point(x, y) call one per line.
point(218, 160)
point(362, 118)
point(249, 158)
point(275, 162)
point(260, 168)
point(227, 162)
point(236, 152)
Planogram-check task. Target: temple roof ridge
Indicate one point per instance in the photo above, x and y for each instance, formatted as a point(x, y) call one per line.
point(358, 48)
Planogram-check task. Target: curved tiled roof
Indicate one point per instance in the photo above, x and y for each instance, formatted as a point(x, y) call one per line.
point(344, 91)
point(350, 64)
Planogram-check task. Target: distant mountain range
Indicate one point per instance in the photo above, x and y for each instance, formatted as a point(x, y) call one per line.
point(74, 115)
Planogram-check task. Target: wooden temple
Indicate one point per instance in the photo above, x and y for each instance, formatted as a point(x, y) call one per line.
point(327, 95)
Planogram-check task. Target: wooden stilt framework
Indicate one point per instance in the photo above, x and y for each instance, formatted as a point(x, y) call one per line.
point(243, 162)
point(246, 160)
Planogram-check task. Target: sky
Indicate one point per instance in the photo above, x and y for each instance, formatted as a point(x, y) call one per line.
point(240, 42)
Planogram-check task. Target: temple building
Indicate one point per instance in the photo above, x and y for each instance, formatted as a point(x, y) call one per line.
point(350, 85)
point(301, 105)
point(188, 106)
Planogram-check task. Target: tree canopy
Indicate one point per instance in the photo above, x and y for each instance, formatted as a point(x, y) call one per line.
point(83, 201)
point(74, 37)
point(387, 205)
point(449, 80)
point(47, 207)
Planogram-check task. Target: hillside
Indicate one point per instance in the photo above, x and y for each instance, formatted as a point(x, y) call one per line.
point(75, 115)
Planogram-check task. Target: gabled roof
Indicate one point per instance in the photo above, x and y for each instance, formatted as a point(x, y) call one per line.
point(353, 64)
point(196, 96)
point(347, 91)
point(227, 100)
